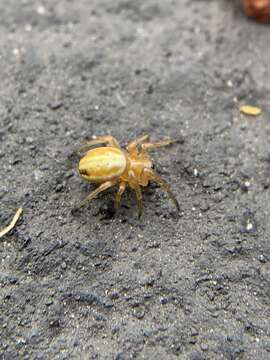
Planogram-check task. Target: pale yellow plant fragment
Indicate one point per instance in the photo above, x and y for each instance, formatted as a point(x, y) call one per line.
point(12, 224)
point(250, 110)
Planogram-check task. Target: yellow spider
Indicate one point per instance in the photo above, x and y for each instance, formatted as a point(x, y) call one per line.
point(111, 165)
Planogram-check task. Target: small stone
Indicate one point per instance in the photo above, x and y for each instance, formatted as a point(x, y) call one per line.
point(13, 280)
point(108, 304)
point(194, 332)
point(41, 10)
point(115, 329)
point(55, 105)
point(249, 226)
point(262, 258)
point(38, 175)
point(114, 295)
point(163, 301)
point(59, 187)
point(29, 140)
point(138, 313)
point(28, 27)
point(16, 52)
point(245, 186)
point(44, 167)
point(69, 174)
point(204, 207)
point(100, 317)
point(204, 347)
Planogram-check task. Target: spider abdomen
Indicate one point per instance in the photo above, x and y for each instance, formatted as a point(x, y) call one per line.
point(102, 164)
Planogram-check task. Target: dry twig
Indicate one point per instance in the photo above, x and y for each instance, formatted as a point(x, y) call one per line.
point(12, 224)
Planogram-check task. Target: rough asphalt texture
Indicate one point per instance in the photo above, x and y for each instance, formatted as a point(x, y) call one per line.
point(89, 285)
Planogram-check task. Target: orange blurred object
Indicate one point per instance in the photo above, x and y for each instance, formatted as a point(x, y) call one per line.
point(257, 9)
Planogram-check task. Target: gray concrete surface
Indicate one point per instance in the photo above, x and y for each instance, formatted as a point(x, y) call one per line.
point(89, 285)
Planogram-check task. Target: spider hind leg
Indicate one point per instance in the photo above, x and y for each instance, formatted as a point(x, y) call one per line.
point(138, 192)
point(107, 140)
point(149, 174)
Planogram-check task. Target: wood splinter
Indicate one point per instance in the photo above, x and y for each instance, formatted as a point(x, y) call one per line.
point(12, 224)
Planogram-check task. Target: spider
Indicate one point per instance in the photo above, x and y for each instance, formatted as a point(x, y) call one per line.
point(111, 165)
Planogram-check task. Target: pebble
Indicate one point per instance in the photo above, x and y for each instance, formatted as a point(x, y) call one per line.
point(204, 347)
point(114, 295)
point(262, 258)
point(41, 10)
point(55, 105)
point(138, 313)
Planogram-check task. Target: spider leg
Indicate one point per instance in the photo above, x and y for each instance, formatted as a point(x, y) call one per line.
point(134, 184)
point(106, 185)
point(151, 146)
point(122, 188)
point(139, 200)
point(149, 174)
point(132, 146)
point(108, 140)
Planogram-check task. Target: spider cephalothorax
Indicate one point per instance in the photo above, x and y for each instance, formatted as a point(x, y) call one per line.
point(112, 165)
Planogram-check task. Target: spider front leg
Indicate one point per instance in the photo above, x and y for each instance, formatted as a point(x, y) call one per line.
point(108, 140)
point(132, 147)
point(149, 174)
point(151, 146)
point(106, 185)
